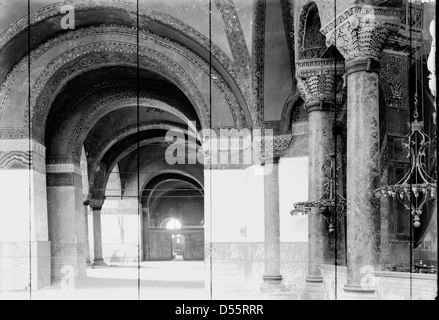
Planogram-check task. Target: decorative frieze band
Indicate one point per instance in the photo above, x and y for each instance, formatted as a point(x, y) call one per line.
point(22, 154)
point(15, 160)
point(64, 168)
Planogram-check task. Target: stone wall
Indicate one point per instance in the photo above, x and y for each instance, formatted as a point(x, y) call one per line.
point(388, 285)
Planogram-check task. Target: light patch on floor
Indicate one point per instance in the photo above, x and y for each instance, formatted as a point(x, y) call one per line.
point(164, 280)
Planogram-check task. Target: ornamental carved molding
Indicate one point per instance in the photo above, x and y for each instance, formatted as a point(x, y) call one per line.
point(319, 79)
point(362, 31)
point(127, 54)
point(235, 36)
point(288, 22)
point(394, 80)
point(258, 62)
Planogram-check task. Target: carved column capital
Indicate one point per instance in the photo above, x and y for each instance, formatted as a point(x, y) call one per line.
point(96, 204)
point(274, 147)
point(318, 81)
point(360, 34)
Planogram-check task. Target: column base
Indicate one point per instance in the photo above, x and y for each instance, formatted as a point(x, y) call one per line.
point(99, 263)
point(273, 285)
point(277, 278)
point(88, 264)
point(314, 288)
point(355, 292)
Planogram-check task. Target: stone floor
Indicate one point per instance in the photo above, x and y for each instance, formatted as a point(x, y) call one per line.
point(171, 280)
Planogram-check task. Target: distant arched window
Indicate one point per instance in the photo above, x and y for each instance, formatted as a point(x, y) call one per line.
point(171, 224)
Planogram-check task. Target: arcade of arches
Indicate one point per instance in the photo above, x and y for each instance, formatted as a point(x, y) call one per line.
point(85, 113)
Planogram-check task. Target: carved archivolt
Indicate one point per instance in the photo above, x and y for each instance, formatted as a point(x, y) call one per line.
point(106, 105)
point(127, 53)
point(145, 14)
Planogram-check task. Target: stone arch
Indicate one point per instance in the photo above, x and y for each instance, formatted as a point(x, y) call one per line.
point(66, 144)
point(195, 181)
point(154, 167)
point(179, 180)
point(87, 58)
point(124, 133)
point(225, 77)
point(100, 172)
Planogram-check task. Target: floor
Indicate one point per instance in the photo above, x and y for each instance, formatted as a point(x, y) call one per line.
point(170, 280)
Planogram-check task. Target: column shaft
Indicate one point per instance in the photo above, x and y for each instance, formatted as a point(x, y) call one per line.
point(363, 174)
point(87, 239)
point(272, 221)
point(97, 233)
point(321, 146)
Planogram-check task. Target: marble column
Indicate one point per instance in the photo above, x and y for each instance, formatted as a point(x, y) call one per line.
point(96, 206)
point(361, 35)
point(87, 239)
point(66, 220)
point(272, 277)
point(272, 220)
point(317, 81)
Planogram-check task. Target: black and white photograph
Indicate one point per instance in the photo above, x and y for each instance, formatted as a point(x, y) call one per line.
point(194, 151)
